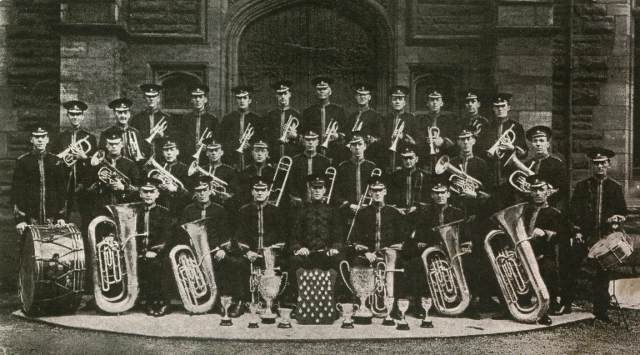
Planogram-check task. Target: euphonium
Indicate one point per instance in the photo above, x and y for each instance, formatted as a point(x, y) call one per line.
point(107, 173)
point(218, 185)
point(68, 156)
point(193, 269)
point(397, 134)
point(331, 173)
point(160, 126)
point(276, 190)
point(461, 181)
point(114, 258)
point(507, 137)
point(200, 145)
point(246, 137)
point(384, 279)
point(433, 132)
point(445, 275)
point(332, 128)
point(516, 267)
point(291, 124)
point(518, 179)
point(133, 148)
point(163, 175)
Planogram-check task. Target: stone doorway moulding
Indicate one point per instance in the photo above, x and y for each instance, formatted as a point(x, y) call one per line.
point(243, 12)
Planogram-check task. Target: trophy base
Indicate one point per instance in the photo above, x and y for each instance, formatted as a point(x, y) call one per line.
point(284, 325)
point(362, 320)
point(253, 325)
point(268, 318)
point(388, 322)
point(226, 322)
point(347, 325)
point(403, 325)
point(426, 324)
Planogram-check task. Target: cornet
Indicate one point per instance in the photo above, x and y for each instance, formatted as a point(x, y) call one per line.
point(69, 155)
point(518, 179)
point(163, 175)
point(246, 137)
point(461, 181)
point(332, 129)
point(397, 134)
point(507, 137)
point(133, 148)
point(205, 135)
point(288, 128)
point(434, 133)
point(357, 125)
point(158, 128)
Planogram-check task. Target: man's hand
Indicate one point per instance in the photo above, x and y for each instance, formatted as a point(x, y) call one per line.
point(360, 247)
point(219, 255)
point(353, 207)
point(332, 252)
point(20, 227)
point(302, 252)
point(579, 238)
point(422, 245)
point(170, 187)
point(150, 254)
point(537, 232)
point(292, 134)
point(506, 146)
point(252, 255)
point(117, 185)
point(616, 218)
point(370, 256)
point(61, 223)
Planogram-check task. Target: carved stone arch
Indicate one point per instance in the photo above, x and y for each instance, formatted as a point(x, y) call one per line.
point(242, 13)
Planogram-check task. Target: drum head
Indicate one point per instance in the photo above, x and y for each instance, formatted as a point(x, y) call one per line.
point(26, 279)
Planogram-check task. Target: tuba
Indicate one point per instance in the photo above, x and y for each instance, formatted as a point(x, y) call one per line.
point(68, 156)
point(107, 173)
point(276, 190)
point(245, 138)
point(332, 128)
point(461, 181)
point(518, 179)
point(445, 275)
point(114, 258)
point(133, 148)
point(193, 269)
point(291, 124)
point(397, 134)
point(163, 175)
point(433, 133)
point(330, 172)
point(516, 267)
point(507, 137)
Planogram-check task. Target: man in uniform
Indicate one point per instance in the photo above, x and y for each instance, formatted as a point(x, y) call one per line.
point(597, 201)
point(367, 122)
point(131, 136)
point(173, 196)
point(154, 235)
point(152, 121)
point(190, 128)
point(38, 189)
point(472, 116)
point(398, 115)
point(217, 169)
point(305, 164)
point(259, 167)
point(409, 185)
point(318, 116)
point(234, 125)
point(353, 175)
point(276, 120)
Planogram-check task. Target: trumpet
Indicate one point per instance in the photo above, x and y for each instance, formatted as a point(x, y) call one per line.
point(365, 200)
point(331, 172)
point(518, 179)
point(276, 190)
point(507, 137)
point(433, 133)
point(69, 155)
point(218, 185)
point(133, 148)
point(205, 135)
point(397, 134)
point(163, 175)
point(461, 181)
point(332, 129)
point(288, 128)
point(357, 125)
point(246, 137)
point(158, 128)
point(108, 174)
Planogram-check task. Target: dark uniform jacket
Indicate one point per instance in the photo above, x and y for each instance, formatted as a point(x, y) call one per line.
point(479, 170)
point(347, 184)
point(38, 190)
point(229, 133)
point(477, 121)
point(176, 201)
point(389, 227)
point(409, 187)
point(159, 229)
point(551, 221)
point(371, 123)
point(145, 148)
point(274, 123)
point(266, 221)
point(554, 171)
point(144, 121)
point(312, 119)
point(302, 166)
point(594, 201)
point(389, 124)
point(316, 226)
point(425, 218)
point(104, 194)
point(226, 173)
point(189, 128)
point(449, 127)
point(217, 221)
point(489, 136)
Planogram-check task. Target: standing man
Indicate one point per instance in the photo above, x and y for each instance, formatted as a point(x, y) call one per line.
point(259, 167)
point(276, 120)
point(306, 164)
point(398, 115)
point(353, 175)
point(367, 122)
point(409, 185)
point(446, 122)
point(235, 124)
point(173, 196)
point(152, 123)
point(472, 116)
point(134, 145)
point(191, 127)
point(38, 189)
point(597, 201)
point(216, 168)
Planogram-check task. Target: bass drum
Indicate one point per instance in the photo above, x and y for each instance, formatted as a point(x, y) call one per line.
point(51, 277)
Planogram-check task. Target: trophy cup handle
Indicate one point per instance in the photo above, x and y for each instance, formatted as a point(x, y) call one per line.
point(344, 262)
point(285, 279)
point(339, 308)
point(356, 307)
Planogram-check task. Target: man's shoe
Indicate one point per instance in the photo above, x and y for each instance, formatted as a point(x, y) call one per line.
point(163, 308)
point(236, 310)
point(545, 320)
point(149, 310)
point(419, 313)
point(501, 316)
point(604, 318)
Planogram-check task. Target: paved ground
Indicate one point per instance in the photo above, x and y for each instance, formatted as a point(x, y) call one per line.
point(18, 336)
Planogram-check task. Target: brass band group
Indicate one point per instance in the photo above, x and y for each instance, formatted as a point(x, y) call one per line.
point(311, 210)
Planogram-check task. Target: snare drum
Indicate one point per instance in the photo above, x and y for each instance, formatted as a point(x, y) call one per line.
point(51, 277)
point(612, 250)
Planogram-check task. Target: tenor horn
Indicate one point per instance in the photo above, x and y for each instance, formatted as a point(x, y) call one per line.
point(218, 185)
point(445, 276)
point(276, 190)
point(247, 134)
point(291, 124)
point(433, 132)
point(461, 181)
point(163, 175)
point(507, 137)
point(114, 258)
point(107, 173)
point(515, 265)
point(193, 269)
point(68, 155)
point(518, 179)
point(397, 134)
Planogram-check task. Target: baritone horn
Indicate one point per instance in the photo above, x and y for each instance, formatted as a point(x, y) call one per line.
point(433, 133)
point(445, 275)
point(331, 174)
point(461, 182)
point(518, 179)
point(245, 138)
point(163, 175)
point(507, 137)
point(69, 155)
point(193, 269)
point(332, 129)
point(114, 258)
point(515, 265)
point(291, 125)
point(398, 130)
point(280, 177)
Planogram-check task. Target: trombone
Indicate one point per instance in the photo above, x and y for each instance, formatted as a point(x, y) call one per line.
point(288, 128)
point(507, 137)
point(158, 128)
point(246, 136)
point(365, 200)
point(276, 190)
point(332, 129)
point(205, 135)
point(331, 173)
point(69, 155)
point(398, 130)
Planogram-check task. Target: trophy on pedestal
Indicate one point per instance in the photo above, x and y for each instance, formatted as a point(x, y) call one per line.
point(285, 318)
point(253, 310)
point(403, 306)
point(225, 301)
point(269, 289)
point(347, 311)
point(388, 304)
point(427, 302)
point(363, 286)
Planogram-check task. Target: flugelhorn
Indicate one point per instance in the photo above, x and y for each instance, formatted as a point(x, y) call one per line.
point(107, 173)
point(245, 138)
point(516, 267)
point(163, 175)
point(69, 155)
point(133, 148)
point(365, 200)
point(158, 128)
point(507, 137)
point(218, 185)
point(397, 134)
point(332, 129)
point(331, 173)
point(200, 145)
point(461, 182)
point(291, 125)
point(276, 190)
point(433, 133)
point(445, 275)
point(518, 178)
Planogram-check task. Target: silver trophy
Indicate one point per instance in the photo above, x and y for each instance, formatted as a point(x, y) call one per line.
point(225, 301)
point(363, 286)
point(388, 304)
point(427, 302)
point(269, 289)
point(253, 310)
point(347, 311)
point(403, 306)
point(285, 318)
